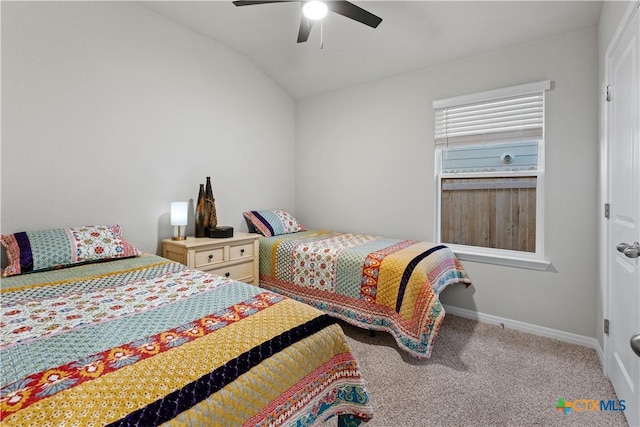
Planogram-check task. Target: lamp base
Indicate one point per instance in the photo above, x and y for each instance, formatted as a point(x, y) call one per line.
point(220, 232)
point(180, 236)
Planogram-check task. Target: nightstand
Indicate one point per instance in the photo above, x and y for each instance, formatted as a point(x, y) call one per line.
point(234, 257)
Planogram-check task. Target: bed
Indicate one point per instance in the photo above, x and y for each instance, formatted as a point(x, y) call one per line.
point(372, 282)
point(141, 340)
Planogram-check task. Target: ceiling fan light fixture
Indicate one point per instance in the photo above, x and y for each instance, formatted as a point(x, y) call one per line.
point(315, 9)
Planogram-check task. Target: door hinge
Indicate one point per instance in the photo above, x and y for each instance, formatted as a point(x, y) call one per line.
point(606, 326)
point(607, 92)
point(607, 210)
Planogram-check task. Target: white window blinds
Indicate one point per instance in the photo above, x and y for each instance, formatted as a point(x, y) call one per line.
point(510, 114)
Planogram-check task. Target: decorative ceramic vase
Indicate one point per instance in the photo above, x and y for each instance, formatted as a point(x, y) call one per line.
point(201, 226)
point(210, 217)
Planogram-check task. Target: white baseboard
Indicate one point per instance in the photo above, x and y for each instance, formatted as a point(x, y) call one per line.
point(527, 327)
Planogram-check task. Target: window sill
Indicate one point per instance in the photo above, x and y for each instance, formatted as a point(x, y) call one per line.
point(503, 258)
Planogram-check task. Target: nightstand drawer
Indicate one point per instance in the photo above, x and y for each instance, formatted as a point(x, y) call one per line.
point(242, 271)
point(208, 257)
point(241, 251)
point(235, 257)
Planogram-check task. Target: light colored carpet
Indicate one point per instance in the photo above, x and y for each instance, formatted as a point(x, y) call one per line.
point(481, 375)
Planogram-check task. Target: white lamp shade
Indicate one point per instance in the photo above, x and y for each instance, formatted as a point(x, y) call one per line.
point(314, 9)
point(179, 213)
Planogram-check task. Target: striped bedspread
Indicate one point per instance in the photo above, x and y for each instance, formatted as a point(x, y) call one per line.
point(145, 341)
point(372, 282)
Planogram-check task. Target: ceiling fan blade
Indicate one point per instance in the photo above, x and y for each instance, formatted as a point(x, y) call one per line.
point(305, 29)
point(252, 2)
point(354, 12)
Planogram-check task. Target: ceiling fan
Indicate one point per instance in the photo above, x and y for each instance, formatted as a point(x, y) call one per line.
point(315, 9)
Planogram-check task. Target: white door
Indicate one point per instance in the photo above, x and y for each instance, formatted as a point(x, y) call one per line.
point(623, 130)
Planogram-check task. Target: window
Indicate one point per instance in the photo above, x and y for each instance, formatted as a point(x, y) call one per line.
point(490, 175)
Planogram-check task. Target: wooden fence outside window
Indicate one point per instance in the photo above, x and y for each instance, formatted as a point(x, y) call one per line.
point(490, 212)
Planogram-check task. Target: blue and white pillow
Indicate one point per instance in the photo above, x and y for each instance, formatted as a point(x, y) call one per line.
point(32, 251)
point(272, 222)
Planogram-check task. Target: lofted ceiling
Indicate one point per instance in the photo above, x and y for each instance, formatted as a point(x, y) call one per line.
point(412, 35)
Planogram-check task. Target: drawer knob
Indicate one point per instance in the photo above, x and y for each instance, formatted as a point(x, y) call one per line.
point(241, 251)
point(210, 257)
point(227, 274)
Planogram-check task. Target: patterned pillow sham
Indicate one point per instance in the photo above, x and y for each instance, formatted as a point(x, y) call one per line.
point(272, 223)
point(32, 251)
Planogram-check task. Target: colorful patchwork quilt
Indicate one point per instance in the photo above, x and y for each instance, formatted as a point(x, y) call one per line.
point(145, 341)
point(369, 281)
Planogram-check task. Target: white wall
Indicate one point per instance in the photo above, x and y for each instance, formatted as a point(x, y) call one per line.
point(364, 163)
point(110, 112)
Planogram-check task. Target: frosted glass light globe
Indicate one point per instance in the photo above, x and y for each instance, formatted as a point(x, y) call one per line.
point(314, 9)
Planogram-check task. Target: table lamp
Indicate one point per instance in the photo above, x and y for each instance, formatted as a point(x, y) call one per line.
point(179, 213)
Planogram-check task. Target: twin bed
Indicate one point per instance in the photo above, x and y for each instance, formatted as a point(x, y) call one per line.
point(123, 338)
point(369, 281)
point(372, 282)
point(140, 340)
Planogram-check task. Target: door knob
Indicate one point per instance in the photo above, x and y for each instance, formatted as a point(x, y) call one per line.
point(635, 343)
point(631, 251)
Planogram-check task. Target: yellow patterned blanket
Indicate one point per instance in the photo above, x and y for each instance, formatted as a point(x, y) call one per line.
point(146, 341)
point(369, 281)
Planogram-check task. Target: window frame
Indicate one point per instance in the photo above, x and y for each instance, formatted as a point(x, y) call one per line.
point(513, 258)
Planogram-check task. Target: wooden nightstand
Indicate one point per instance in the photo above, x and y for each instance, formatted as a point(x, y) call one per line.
point(235, 257)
